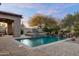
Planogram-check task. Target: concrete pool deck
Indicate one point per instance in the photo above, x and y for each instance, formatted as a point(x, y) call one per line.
point(10, 47)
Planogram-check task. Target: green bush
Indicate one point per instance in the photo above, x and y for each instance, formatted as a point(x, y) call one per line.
point(53, 29)
point(76, 28)
point(22, 32)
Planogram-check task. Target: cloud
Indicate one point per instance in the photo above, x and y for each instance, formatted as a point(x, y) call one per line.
point(52, 11)
point(29, 5)
point(55, 8)
point(48, 11)
point(28, 9)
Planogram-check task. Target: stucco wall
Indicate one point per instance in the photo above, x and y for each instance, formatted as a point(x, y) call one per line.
point(16, 24)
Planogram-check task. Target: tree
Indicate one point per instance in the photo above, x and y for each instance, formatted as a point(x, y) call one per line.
point(68, 21)
point(76, 28)
point(36, 20)
point(76, 15)
point(71, 22)
point(39, 20)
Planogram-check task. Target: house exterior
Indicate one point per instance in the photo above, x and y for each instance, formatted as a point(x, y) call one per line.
point(13, 22)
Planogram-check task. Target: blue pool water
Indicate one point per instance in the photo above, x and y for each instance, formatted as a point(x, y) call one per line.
point(39, 41)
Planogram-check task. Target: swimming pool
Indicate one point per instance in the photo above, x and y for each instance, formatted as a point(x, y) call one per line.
point(33, 42)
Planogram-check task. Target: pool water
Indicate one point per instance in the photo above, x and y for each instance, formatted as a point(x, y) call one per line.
point(39, 41)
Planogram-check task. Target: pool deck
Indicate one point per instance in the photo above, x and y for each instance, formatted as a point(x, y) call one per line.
point(11, 47)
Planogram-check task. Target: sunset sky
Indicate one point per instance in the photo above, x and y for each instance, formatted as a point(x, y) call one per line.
point(57, 10)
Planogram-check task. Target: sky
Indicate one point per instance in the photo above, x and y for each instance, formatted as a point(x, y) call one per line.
point(57, 10)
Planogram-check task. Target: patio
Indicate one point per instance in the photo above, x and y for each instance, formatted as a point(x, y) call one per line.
point(9, 46)
point(13, 22)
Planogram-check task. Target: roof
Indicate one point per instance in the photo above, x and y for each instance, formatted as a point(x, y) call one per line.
point(9, 13)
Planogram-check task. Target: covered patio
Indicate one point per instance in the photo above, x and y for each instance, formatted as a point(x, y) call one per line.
point(13, 22)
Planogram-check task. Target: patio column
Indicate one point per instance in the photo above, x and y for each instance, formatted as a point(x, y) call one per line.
point(17, 28)
point(10, 31)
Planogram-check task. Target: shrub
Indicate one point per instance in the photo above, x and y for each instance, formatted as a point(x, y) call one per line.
point(22, 32)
